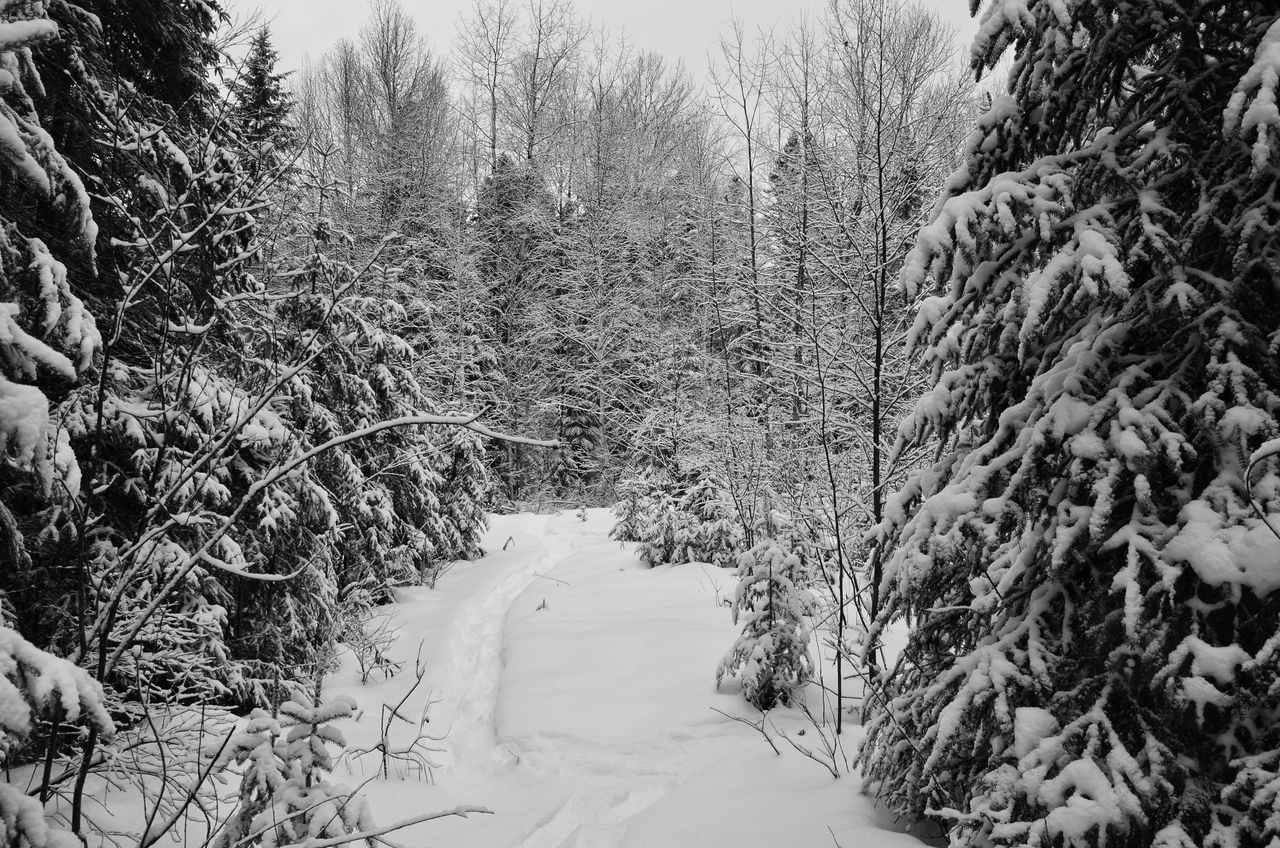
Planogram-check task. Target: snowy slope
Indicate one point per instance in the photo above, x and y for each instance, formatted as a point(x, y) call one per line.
point(576, 688)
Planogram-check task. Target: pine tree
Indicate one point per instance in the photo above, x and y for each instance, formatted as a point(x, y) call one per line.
point(713, 532)
point(514, 224)
point(633, 512)
point(40, 688)
point(663, 526)
point(465, 489)
point(578, 429)
point(262, 103)
point(1089, 566)
point(771, 656)
point(285, 798)
point(47, 336)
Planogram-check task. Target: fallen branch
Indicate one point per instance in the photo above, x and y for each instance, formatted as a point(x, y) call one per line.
point(460, 812)
point(545, 577)
point(756, 726)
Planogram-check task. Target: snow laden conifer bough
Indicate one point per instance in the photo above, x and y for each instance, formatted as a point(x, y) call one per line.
point(1090, 574)
point(201, 452)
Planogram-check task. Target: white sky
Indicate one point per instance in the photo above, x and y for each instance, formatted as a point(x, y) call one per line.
point(677, 29)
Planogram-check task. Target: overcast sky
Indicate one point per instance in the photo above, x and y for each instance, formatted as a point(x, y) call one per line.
point(678, 29)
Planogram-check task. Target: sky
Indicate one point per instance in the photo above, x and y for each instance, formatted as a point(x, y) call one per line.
point(677, 29)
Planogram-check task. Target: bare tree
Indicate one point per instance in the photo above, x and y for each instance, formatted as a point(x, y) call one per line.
point(545, 61)
point(484, 46)
point(407, 132)
point(897, 112)
point(740, 81)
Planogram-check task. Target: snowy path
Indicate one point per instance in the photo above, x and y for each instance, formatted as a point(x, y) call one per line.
point(577, 690)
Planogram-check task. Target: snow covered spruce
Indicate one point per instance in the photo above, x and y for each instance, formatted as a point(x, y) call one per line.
point(1090, 566)
point(773, 656)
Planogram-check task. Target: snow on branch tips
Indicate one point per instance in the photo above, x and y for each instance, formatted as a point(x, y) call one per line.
point(1257, 88)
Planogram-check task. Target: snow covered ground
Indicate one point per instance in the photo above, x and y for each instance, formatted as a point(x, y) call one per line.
point(576, 687)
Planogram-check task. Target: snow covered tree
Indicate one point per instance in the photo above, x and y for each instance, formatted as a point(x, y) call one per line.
point(465, 487)
point(713, 532)
point(47, 336)
point(632, 511)
point(485, 47)
point(1090, 565)
point(685, 517)
point(900, 110)
point(37, 688)
point(514, 224)
point(285, 798)
point(773, 605)
point(578, 430)
point(740, 79)
point(663, 526)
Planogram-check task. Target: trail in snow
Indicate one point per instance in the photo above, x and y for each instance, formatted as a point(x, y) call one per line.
point(472, 680)
point(576, 687)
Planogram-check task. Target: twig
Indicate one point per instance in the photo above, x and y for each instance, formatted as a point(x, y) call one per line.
point(545, 577)
point(460, 812)
point(759, 727)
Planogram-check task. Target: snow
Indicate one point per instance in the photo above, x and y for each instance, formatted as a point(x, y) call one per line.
point(1243, 555)
point(1218, 662)
point(1031, 726)
point(24, 423)
point(1262, 117)
point(573, 688)
point(14, 34)
point(30, 677)
point(1081, 799)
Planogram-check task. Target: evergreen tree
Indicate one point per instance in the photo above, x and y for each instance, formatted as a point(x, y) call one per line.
point(47, 337)
point(714, 532)
point(285, 798)
point(40, 688)
point(663, 527)
point(466, 485)
point(515, 227)
point(578, 427)
point(771, 655)
point(634, 510)
point(262, 103)
point(1089, 566)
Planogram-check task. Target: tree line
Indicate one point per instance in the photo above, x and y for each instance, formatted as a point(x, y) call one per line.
point(994, 360)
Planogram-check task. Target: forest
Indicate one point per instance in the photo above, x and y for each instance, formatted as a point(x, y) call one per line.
point(955, 368)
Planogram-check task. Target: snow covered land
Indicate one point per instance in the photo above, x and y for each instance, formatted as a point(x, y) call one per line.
point(576, 695)
point(915, 421)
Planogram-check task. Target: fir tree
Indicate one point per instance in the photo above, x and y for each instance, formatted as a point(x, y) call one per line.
point(285, 798)
point(632, 512)
point(514, 225)
point(262, 103)
point(47, 336)
point(40, 688)
point(1089, 567)
point(663, 527)
point(578, 426)
point(772, 655)
point(713, 532)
